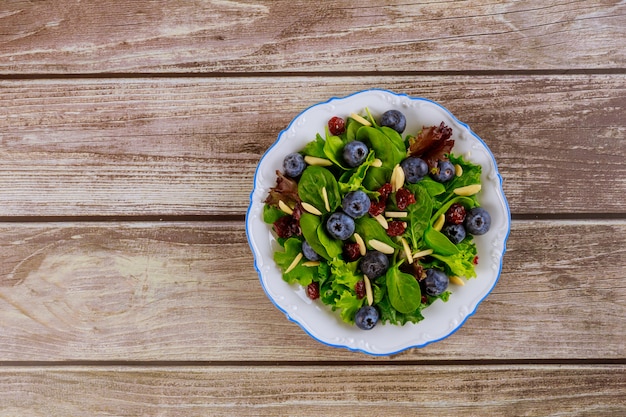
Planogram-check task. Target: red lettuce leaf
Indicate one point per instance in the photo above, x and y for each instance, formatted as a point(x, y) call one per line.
point(432, 144)
point(286, 189)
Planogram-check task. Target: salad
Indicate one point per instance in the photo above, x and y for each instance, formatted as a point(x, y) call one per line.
point(376, 223)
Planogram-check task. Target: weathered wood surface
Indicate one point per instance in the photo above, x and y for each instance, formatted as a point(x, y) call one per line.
point(190, 146)
point(144, 110)
point(321, 390)
point(187, 36)
point(188, 291)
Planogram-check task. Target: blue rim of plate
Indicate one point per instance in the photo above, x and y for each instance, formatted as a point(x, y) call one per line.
point(504, 201)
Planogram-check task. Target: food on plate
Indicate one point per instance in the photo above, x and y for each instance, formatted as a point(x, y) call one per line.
point(377, 222)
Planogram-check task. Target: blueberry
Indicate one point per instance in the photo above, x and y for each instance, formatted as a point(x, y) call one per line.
point(435, 282)
point(393, 119)
point(445, 171)
point(366, 318)
point(354, 153)
point(477, 221)
point(454, 232)
point(355, 204)
point(293, 165)
point(414, 169)
point(309, 253)
point(374, 264)
point(340, 226)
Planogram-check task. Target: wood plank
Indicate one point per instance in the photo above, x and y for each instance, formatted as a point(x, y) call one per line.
point(189, 291)
point(319, 390)
point(190, 146)
point(190, 36)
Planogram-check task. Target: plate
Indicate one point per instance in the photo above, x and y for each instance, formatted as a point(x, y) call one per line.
point(440, 319)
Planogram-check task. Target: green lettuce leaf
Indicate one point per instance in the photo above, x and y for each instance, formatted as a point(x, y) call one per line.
point(315, 148)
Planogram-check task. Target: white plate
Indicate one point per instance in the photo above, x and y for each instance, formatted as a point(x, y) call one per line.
point(440, 319)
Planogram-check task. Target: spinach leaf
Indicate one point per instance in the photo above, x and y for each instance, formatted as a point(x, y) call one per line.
point(351, 128)
point(271, 214)
point(333, 247)
point(385, 149)
point(309, 224)
point(376, 177)
point(419, 213)
point(315, 148)
point(395, 139)
point(368, 228)
point(439, 243)
point(301, 274)
point(433, 187)
point(313, 179)
point(333, 149)
point(403, 290)
point(314, 232)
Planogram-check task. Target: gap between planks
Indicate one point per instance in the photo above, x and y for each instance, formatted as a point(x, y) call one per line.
point(314, 74)
point(374, 362)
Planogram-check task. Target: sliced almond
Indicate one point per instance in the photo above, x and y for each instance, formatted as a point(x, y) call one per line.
point(294, 263)
point(368, 290)
point(383, 222)
point(361, 243)
point(325, 197)
point(422, 253)
point(456, 280)
point(467, 154)
point(458, 170)
point(468, 190)
point(407, 250)
point(381, 247)
point(360, 119)
point(439, 222)
point(311, 263)
point(397, 178)
point(310, 209)
point(396, 214)
point(377, 163)
point(284, 207)
point(314, 160)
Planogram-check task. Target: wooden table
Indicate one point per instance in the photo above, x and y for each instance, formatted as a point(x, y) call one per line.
point(129, 135)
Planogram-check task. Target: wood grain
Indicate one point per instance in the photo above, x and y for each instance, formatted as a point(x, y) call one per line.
point(188, 291)
point(321, 390)
point(251, 36)
point(189, 146)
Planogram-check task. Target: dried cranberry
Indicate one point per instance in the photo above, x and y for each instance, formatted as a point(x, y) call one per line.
point(359, 288)
point(418, 271)
point(313, 290)
point(377, 207)
point(336, 125)
point(475, 261)
point(384, 192)
point(455, 214)
point(396, 228)
point(404, 198)
point(287, 227)
point(351, 251)
point(424, 299)
point(297, 211)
